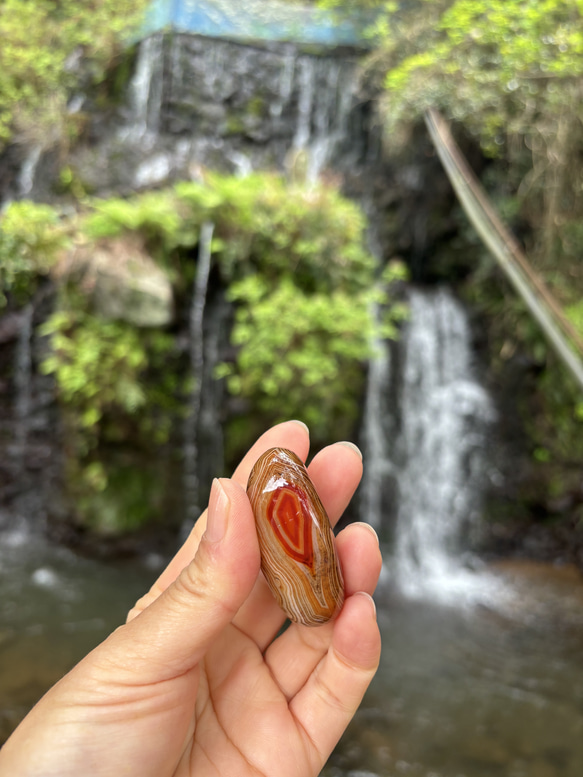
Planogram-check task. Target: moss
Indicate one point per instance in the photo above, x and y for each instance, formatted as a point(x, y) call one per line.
point(117, 493)
point(234, 125)
point(256, 107)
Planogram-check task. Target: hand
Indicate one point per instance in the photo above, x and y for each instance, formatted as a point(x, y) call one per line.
point(197, 682)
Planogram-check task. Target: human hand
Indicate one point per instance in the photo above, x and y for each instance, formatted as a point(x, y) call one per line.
point(198, 682)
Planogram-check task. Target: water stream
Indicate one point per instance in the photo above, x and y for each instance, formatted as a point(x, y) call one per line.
point(426, 426)
point(473, 691)
point(22, 388)
point(444, 417)
point(197, 351)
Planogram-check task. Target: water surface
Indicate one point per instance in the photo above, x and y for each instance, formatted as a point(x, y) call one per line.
point(54, 608)
point(473, 691)
point(492, 688)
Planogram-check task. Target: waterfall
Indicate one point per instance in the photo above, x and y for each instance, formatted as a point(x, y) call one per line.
point(198, 103)
point(145, 91)
point(433, 448)
point(307, 83)
point(444, 417)
point(22, 389)
point(378, 474)
point(326, 91)
point(286, 82)
point(28, 170)
point(379, 466)
point(191, 450)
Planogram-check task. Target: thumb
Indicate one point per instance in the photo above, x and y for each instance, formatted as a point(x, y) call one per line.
point(172, 635)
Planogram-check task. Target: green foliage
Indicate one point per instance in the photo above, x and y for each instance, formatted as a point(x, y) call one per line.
point(263, 222)
point(575, 315)
point(300, 355)
point(154, 214)
point(554, 420)
point(97, 365)
point(119, 390)
point(303, 285)
point(118, 496)
point(108, 373)
point(31, 237)
point(510, 72)
point(41, 41)
point(499, 66)
point(294, 261)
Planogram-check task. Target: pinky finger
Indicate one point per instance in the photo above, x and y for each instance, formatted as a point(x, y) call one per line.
point(327, 702)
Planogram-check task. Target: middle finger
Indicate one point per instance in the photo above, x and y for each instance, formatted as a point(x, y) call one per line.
point(335, 472)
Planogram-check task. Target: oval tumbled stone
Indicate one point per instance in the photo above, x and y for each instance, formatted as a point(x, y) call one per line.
point(298, 554)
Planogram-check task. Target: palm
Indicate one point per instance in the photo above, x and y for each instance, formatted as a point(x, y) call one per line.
point(242, 717)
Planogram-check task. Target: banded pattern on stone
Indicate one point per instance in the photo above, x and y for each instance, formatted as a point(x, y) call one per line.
point(298, 554)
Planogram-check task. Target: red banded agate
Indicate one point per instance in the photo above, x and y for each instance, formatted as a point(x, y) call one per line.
point(298, 555)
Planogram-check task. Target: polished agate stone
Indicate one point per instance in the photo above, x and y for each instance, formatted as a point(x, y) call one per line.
point(298, 554)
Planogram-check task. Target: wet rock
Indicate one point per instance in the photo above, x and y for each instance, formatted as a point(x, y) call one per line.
point(228, 100)
point(542, 768)
point(488, 751)
point(123, 281)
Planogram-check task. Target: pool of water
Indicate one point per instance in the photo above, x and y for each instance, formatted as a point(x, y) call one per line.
point(489, 687)
point(54, 608)
point(476, 691)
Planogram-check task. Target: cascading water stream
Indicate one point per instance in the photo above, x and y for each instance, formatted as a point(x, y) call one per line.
point(145, 92)
point(196, 329)
point(325, 97)
point(28, 170)
point(375, 434)
point(22, 389)
point(187, 96)
point(444, 415)
point(376, 448)
point(436, 454)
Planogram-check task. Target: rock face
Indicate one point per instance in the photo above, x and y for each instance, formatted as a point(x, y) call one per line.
point(123, 281)
point(195, 102)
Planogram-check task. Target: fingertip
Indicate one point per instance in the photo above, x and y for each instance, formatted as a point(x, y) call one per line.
point(288, 434)
point(352, 447)
point(360, 525)
point(240, 531)
point(365, 600)
point(360, 557)
point(336, 472)
point(301, 424)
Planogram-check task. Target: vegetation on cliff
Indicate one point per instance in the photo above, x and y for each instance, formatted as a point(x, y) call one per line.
point(290, 258)
point(47, 49)
point(509, 75)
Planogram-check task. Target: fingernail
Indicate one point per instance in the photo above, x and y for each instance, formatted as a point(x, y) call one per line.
point(366, 526)
point(218, 513)
point(352, 446)
point(372, 605)
point(301, 423)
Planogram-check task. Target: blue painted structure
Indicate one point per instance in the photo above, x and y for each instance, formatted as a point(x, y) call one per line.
point(257, 20)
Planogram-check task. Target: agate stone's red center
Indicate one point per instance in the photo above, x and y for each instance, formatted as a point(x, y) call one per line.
point(292, 524)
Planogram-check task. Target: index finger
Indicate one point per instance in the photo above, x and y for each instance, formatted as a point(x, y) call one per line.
point(289, 434)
